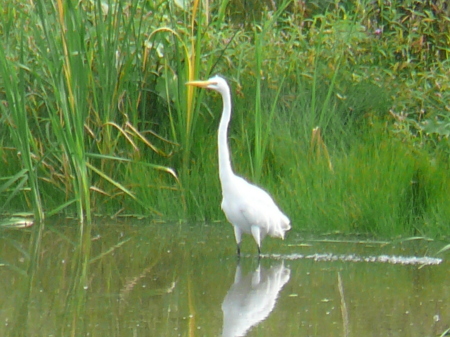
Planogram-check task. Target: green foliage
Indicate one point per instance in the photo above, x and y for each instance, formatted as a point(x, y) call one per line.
point(340, 109)
point(81, 102)
point(14, 83)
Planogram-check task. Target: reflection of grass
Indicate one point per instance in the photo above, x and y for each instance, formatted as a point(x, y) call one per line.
point(167, 272)
point(445, 333)
point(444, 249)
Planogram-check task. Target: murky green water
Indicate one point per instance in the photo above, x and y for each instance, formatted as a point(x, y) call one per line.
point(179, 280)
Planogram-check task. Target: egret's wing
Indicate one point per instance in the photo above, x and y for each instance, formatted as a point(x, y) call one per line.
point(255, 207)
point(260, 210)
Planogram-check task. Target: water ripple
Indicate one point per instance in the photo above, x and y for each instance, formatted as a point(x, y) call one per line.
point(402, 260)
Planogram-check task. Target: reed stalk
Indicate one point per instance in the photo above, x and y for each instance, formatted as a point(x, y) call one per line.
point(17, 117)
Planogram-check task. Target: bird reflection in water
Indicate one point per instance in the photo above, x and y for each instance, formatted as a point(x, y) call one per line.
point(252, 298)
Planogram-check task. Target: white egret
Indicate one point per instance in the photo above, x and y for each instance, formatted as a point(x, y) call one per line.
point(247, 207)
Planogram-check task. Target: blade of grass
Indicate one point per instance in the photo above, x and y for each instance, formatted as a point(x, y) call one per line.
point(261, 135)
point(14, 84)
point(121, 187)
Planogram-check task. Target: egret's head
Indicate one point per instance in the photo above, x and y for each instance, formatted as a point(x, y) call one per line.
point(216, 83)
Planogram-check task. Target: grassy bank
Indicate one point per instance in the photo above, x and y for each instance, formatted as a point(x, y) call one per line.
point(340, 111)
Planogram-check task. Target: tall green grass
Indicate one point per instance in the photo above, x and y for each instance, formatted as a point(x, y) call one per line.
point(97, 118)
point(79, 86)
point(372, 183)
point(23, 142)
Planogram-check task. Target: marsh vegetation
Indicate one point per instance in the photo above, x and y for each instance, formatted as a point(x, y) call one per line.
point(341, 110)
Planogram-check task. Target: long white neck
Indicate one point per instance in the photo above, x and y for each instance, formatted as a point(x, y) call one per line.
point(225, 170)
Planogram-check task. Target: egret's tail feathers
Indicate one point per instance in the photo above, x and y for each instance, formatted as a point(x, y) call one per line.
point(285, 225)
point(281, 227)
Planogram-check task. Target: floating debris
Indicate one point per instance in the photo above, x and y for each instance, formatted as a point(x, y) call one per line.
point(16, 222)
point(403, 260)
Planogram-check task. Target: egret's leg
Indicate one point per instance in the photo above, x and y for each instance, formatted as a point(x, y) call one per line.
point(238, 236)
point(256, 232)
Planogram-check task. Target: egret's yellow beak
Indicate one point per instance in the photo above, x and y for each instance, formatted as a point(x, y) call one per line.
point(200, 84)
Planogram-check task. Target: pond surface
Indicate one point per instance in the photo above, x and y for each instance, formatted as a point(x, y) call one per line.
point(142, 279)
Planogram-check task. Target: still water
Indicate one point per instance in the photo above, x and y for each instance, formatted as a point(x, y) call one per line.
point(141, 279)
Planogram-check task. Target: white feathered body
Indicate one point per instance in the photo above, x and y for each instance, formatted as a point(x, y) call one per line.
point(246, 205)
